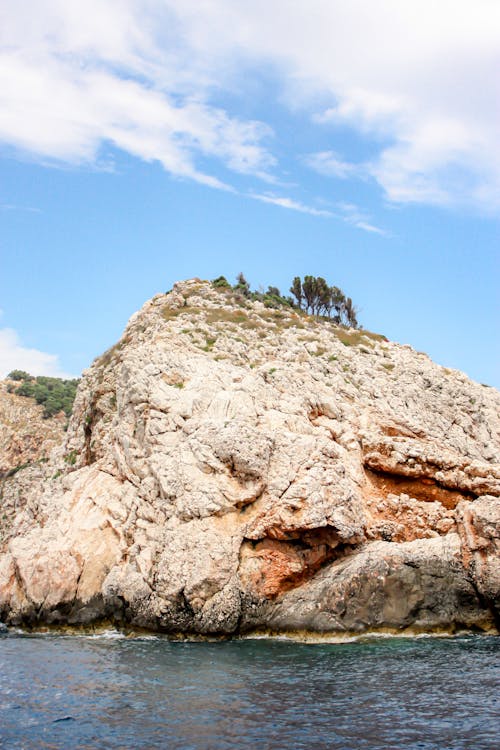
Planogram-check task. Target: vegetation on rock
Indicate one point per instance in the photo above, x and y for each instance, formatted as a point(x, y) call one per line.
point(313, 295)
point(54, 394)
point(317, 297)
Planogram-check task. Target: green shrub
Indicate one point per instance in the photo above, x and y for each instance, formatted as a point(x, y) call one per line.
point(70, 458)
point(209, 345)
point(54, 394)
point(221, 283)
point(242, 286)
point(19, 375)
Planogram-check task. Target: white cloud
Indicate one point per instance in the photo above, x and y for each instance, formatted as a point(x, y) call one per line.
point(367, 227)
point(349, 213)
point(291, 204)
point(328, 163)
point(15, 356)
point(79, 76)
point(353, 215)
point(417, 78)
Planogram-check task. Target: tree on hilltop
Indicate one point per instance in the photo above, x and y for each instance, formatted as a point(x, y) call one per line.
point(296, 290)
point(315, 296)
point(350, 313)
point(242, 285)
point(309, 291)
point(221, 283)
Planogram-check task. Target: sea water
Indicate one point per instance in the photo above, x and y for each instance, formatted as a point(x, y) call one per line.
point(82, 692)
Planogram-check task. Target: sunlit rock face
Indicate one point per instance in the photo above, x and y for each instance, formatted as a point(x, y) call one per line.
point(231, 468)
point(26, 437)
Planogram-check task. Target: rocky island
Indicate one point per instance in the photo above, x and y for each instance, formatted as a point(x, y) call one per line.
point(231, 468)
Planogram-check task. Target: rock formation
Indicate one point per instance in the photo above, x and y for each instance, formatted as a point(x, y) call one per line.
point(230, 468)
point(25, 435)
point(26, 442)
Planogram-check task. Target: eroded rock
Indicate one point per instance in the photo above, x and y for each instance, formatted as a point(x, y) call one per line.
point(230, 468)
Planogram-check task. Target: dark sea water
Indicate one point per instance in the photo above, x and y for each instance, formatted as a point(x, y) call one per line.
point(111, 692)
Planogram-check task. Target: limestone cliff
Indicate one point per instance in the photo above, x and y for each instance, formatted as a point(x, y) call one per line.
point(26, 442)
point(25, 435)
point(231, 468)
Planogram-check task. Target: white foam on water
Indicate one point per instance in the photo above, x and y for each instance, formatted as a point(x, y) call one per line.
point(305, 638)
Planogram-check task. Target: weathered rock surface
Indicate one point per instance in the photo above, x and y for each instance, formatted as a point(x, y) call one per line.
point(25, 436)
point(27, 440)
point(230, 468)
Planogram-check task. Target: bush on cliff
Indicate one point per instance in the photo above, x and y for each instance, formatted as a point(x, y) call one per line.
point(54, 394)
point(19, 375)
point(221, 283)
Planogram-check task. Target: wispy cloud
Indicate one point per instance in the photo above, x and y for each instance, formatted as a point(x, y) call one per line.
point(14, 207)
point(330, 164)
point(67, 88)
point(15, 356)
point(351, 214)
point(291, 204)
point(369, 227)
point(417, 79)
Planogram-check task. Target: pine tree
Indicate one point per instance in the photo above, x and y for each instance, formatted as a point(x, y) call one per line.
point(309, 291)
point(242, 285)
point(296, 290)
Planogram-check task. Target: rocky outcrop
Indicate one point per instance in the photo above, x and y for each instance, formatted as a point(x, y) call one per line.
point(26, 437)
point(231, 468)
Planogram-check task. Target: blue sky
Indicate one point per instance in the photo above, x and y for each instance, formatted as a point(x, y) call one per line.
point(145, 141)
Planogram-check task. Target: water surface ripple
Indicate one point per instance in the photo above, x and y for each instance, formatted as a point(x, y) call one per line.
point(381, 694)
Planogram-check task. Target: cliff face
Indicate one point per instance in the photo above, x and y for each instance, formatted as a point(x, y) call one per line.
point(231, 468)
point(25, 436)
point(27, 440)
